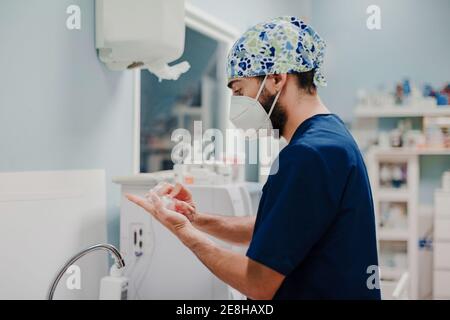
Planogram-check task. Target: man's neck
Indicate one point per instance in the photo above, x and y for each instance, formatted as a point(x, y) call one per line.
point(306, 107)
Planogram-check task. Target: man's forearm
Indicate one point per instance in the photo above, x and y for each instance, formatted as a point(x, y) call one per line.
point(235, 230)
point(246, 275)
point(232, 268)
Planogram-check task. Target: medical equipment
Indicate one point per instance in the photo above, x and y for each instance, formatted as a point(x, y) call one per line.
point(209, 174)
point(146, 34)
point(108, 285)
point(166, 269)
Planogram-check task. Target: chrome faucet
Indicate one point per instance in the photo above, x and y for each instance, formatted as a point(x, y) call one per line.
point(120, 263)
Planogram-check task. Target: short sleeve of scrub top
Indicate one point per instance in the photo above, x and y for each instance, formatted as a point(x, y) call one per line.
point(299, 216)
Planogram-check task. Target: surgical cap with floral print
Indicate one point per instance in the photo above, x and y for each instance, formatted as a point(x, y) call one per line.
point(282, 45)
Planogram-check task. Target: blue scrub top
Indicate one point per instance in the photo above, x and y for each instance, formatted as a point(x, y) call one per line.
point(315, 222)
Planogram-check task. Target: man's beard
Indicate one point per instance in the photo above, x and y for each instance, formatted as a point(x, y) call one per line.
point(278, 116)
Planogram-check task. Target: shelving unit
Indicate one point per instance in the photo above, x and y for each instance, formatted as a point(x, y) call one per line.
point(392, 273)
point(418, 111)
point(157, 155)
point(182, 111)
point(393, 235)
point(408, 195)
point(415, 151)
point(366, 129)
point(441, 259)
point(391, 195)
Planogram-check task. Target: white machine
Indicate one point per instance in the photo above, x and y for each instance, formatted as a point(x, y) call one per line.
point(158, 265)
point(146, 34)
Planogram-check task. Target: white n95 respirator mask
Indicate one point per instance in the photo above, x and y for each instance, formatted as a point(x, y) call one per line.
point(248, 113)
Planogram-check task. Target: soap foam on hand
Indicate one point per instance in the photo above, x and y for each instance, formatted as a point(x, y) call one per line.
point(167, 201)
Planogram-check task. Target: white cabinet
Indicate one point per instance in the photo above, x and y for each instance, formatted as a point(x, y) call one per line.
point(442, 203)
point(442, 255)
point(441, 229)
point(441, 282)
point(394, 181)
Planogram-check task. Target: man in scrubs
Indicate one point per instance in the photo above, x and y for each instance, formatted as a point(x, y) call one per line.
point(314, 234)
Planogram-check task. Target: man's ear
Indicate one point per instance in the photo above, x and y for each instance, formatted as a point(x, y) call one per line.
point(278, 81)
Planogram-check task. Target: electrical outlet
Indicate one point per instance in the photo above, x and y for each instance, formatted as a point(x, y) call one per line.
point(137, 239)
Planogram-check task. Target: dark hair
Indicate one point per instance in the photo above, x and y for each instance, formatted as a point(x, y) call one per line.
point(305, 81)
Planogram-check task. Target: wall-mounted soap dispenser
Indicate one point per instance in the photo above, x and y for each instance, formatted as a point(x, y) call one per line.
point(145, 34)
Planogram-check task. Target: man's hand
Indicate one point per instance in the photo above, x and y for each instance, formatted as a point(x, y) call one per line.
point(234, 230)
point(172, 220)
point(183, 202)
point(249, 277)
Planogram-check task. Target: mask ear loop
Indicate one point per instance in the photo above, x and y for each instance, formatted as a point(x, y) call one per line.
point(274, 101)
point(262, 87)
point(273, 105)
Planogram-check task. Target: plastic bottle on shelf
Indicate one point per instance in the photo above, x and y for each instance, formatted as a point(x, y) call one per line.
point(397, 177)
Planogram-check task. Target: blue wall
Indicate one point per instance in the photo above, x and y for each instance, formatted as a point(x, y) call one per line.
point(413, 42)
point(60, 108)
